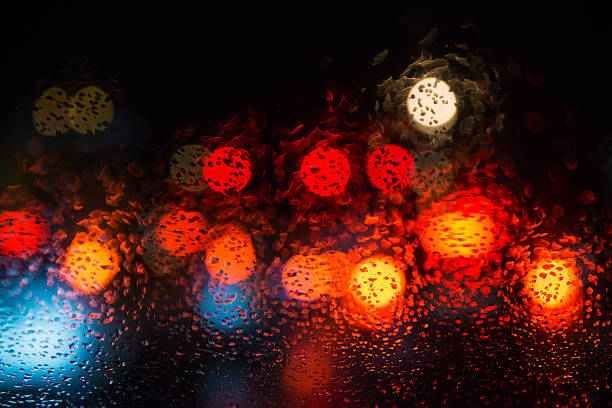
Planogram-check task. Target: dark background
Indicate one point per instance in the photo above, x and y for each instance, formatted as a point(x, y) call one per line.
point(183, 64)
point(267, 52)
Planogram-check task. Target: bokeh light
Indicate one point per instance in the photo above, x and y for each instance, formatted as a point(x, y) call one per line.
point(230, 256)
point(227, 307)
point(432, 106)
point(39, 341)
point(308, 277)
point(91, 110)
point(390, 167)
point(228, 169)
point(187, 167)
point(376, 290)
point(325, 171)
point(553, 284)
point(182, 233)
point(461, 228)
point(89, 264)
point(22, 233)
point(50, 114)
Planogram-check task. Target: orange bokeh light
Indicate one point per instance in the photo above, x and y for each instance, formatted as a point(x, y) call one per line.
point(308, 277)
point(89, 265)
point(227, 170)
point(555, 292)
point(390, 167)
point(376, 289)
point(230, 256)
point(462, 228)
point(325, 171)
point(553, 284)
point(182, 233)
point(22, 233)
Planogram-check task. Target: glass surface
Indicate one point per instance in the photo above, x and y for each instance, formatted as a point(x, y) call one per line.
point(404, 205)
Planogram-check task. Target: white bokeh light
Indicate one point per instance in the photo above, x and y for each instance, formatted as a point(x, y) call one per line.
point(432, 106)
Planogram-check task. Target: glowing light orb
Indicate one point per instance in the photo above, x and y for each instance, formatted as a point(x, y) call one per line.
point(230, 256)
point(89, 265)
point(325, 171)
point(377, 282)
point(462, 228)
point(553, 284)
point(227, 170)
point(390, 167)
point(432, 106)
point(91, 110)
point(432, 173)
point(182, 233)
point(39, 341)
point(51, 112)
point(310, 276)
point(187, 167)
point(22, 233)
point(226, 307)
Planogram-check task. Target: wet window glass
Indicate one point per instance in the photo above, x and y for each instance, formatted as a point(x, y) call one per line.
point(404, 205)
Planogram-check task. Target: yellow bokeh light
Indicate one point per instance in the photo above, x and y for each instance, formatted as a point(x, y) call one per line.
point(230, 256)
point(553, 284)
point(187, 167)
point(51, 112)
point(377, 283)
point(89, 265)
point(91, 110)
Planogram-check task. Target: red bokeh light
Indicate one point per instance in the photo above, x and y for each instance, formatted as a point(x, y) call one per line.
point(325, 171)
point(390, 167)
point(22, 233)
point(228, 170)
point(182, 233)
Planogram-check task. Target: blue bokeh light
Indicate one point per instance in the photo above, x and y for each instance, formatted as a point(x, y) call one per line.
point(228, 307)
point(41, 340)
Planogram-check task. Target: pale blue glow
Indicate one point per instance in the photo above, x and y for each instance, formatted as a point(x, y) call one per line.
point(40, 341)
point(227, 307)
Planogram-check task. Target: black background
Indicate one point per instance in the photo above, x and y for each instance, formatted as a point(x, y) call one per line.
point(184, 63)
point(231, 51)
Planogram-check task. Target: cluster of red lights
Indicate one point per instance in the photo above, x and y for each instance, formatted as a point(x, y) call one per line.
point(326, 170)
